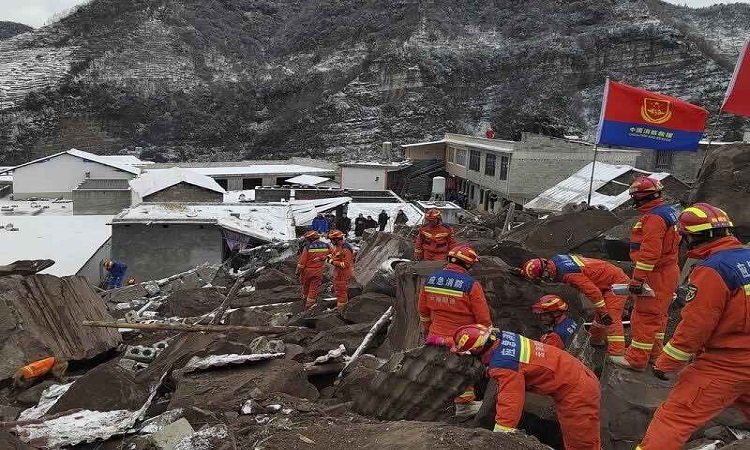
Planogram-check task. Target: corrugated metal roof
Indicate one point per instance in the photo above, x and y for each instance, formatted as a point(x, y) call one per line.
point(575, 189)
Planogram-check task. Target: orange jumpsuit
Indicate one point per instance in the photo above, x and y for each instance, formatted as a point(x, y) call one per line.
point(520, 364)
point(449, 299)
point(561, 334)
point(715, 331)
point(342, 260)
point(654, 243)
point(310, 267)
point(37, 368)
point(434, 242)
point(594, 279)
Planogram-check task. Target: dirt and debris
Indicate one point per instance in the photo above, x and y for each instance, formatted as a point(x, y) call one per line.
point(190, 302)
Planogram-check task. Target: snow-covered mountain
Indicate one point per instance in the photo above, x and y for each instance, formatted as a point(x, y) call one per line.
point(225, 79)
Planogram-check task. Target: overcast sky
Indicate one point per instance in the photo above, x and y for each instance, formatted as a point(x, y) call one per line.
point(37, 12)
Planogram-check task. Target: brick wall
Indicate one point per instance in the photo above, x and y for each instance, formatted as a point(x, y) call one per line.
point(157, 251)
point(184, 192)
point(94, 201)
point(684, 165)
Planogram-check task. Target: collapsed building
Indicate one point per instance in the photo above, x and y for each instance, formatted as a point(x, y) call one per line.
point(204, 358)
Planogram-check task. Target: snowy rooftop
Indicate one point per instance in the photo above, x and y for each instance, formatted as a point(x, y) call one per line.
point(259, 169)
point(439, 205)
point(417, 144)
point(68, 240)
point(34, 208)
point(264, 221)
point(157, 180)
point(111, 161)
point(307, 180)
point(575, 189)
point(398, 165)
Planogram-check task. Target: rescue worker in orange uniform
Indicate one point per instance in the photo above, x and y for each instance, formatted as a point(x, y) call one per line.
point(434, 238)
point(594, 279)
point(449, 299)
point(714, 333)
point(561, 328)
point(342, 260)
point(29, 374)
point(654, 243)
point(310, 267)
point(520, 364)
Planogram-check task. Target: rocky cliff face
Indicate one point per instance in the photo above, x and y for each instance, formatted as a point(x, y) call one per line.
point(264, 78)
point(10, 29)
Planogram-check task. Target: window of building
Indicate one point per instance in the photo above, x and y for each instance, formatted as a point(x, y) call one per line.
point(481, 196)
point(251, 183)
point(504, 163)
point(223, 182)
point(663, 160)
point(461, 157)
point(471, 195)
point(451, 154)
point(280, 181)
point(475, 159)
point(489, 164)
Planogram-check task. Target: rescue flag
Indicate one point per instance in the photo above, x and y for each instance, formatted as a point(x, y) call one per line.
point(737, 99)
point(633, 117)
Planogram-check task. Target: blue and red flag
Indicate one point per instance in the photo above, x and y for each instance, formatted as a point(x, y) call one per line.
point(633, 117)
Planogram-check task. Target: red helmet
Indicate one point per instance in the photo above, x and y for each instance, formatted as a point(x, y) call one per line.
point(643, 187)
point(470, 338)
point(432, 214)
point(549, 303)
point(464, 253)
point(701, 217)
point(538, 268)
point(311, 235)
point(335, 234)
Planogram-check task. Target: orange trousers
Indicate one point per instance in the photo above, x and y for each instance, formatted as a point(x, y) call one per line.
point(578, 413)
point(701, 393)
point(649, 317)
point(615, 333)
point(341, 287)
point(310, 281)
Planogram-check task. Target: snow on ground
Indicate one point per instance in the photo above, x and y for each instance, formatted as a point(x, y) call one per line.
point(68, 240)
point(373, 209)
point(234, 196)
point(10, 207)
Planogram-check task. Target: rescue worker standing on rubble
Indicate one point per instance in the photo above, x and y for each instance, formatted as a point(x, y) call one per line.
point(519, 364)
point(714, 333)
point(310, 267)
point(342, 260)
point(116, 271)
point(561, 328)
point(594, 279)
point(654, 242)
point(449, 299)
point(434, 238)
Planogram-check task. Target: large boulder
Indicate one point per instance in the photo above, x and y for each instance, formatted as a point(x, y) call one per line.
point(379, 248)
point(25, 267)
point(249, 317)
point(270, 278)
point(350, 336)
point(191, 302)
point(42, 315)
point(367, 308)
point(279, 294)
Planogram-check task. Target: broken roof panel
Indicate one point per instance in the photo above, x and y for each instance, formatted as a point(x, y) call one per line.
point(157, 180)
point(307, 180)
point(304, 211)
point(68, 240)
point(575, 189)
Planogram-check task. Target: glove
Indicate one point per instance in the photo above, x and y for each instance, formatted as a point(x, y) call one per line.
point(659, 374)
point(605, 319)
point(329, 259)
point(298, 270)
point(501, 429)
point(635, 286)
point(435, 341)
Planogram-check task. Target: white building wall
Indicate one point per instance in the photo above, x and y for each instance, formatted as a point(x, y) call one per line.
point(367, 178)
point(58, 176)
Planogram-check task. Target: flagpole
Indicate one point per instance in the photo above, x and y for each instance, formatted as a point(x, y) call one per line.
point(593, 166)
point(708, 145)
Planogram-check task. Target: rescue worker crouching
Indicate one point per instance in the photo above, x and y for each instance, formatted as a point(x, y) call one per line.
point(449, 299)
point(594, 279)
point(434, 238)
point(310, 267)
point(342, 260)
point(654, 245)
point(714, 333)
point(561, 328)
point(116, 271)
point(519, 364)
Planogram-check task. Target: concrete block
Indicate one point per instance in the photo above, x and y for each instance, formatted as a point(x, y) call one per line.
point(168, 437)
